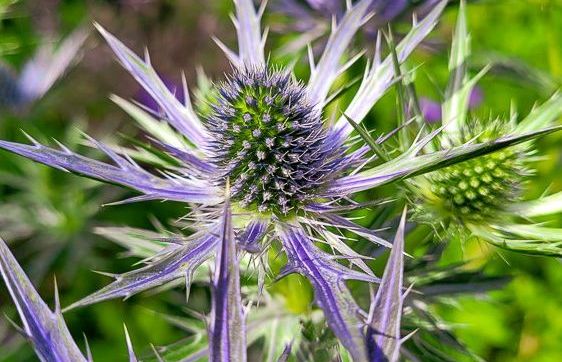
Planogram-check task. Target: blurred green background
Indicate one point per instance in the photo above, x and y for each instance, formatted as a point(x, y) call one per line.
point(48, 216)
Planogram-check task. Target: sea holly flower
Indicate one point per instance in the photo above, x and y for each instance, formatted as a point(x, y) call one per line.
point(483, 197)
point(40, 73)
point(261, 169)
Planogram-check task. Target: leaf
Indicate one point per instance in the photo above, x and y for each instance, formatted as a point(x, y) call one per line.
point(48, 65)
point(227, 327)
point(408, 164)
point(45, 329)
point(169, 264)
point(547, 205)
point(386, 309)
point(542, 116)
point(181, 116)
point(526, 239)
point(331, 294)
point(250, 40)
point(328, 68)
point(455, 107)
point(126, 173)
point(379, 78)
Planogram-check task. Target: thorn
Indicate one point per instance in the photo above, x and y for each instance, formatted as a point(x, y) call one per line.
point(111, 275)
point(132, 357)
point(88, 351)
point(147, 57)
point(63, 147)
point(57, 310)
point(18, 329)
point(188, 278)
point(31, 139)
point(130, 200)
point(156, 353)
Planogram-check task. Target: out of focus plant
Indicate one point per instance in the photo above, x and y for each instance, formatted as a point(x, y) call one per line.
point(311, 19)
point(269, 182)
point(48, 213)
point(39, 73)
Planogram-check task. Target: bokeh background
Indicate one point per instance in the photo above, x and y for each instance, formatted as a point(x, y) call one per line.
point(48, 217)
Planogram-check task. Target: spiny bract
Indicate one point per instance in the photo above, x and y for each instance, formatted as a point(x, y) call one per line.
point(270, 141)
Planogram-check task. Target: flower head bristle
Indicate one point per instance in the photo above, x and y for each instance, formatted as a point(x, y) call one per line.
point(480, 187)
point(270, 140)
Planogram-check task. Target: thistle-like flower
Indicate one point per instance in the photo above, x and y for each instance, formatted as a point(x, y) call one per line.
point(261, 168)
point(485, 196)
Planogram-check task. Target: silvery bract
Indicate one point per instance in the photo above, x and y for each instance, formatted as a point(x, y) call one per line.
point(261, 166)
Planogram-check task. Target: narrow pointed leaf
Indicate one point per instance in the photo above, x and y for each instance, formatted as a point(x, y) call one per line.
point(455, 107)
point(250, 40)
point(343, 223)
point(409, 165)
point(526, 239)
point(140, 243)
point(547, 205)
point(227, 330)
point(126, 173)
point(166, 266)
point(160, 130)
point(48, 65)
point(328, 68)
point(181, 117)
point(542, 116)
point(386, 308)
point(332, 295)
point(368, 139)
point(45, 329)
point(380, 77)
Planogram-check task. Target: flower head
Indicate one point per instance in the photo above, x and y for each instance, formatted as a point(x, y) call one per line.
point(481, 187)
point(271, 141)
point(479, 196)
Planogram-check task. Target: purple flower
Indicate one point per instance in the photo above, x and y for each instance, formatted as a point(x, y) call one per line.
point(263, 165)
point(312, 17)
point(144, 98)
point(432, 110)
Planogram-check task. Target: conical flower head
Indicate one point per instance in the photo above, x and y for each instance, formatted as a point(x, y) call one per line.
point(269, 139)
point(480, 187)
